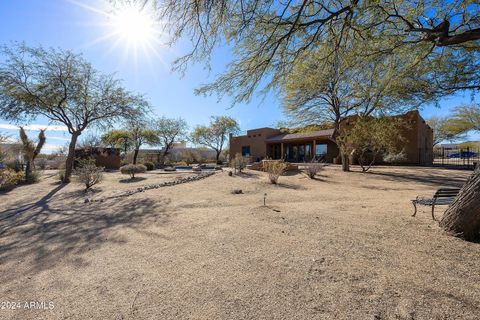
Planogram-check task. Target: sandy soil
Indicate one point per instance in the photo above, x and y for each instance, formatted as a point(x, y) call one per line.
point(343, 246)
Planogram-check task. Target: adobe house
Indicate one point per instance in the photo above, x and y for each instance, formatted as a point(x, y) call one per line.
point(272, 143)
point(109, 158)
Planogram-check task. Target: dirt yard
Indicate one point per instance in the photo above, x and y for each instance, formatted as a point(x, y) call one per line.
point(343, 246)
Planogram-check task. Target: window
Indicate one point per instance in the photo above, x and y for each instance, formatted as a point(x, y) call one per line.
point(320, 149)
point(246, 151)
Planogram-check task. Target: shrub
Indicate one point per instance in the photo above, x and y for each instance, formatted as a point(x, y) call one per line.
point(149, 165)
point(88, 173)
point(9, 178)
point(238, 163)
point(313, 168)
point(133, 169)
point(41, 163)
point(14, 165)
point(274, 169)
point(34, 176)
point(395, 158)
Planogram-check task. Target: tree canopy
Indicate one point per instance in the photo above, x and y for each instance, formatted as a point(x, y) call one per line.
point(216, 133)
point(268, 36)
point(64, 88)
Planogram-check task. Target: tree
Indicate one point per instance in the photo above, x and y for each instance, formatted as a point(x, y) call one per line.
point(465, 118)
point(61, 86)
point(169, 131)
point(136, 133)
point(90, 140)
point(140, 133)
point(443, 129)
point(336, 81)
point(216, 133)
point(31, 151)
point(371, 138)
point(462, 218)
point(268, 36)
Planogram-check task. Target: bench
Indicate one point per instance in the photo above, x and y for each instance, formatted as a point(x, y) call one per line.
point(443, 196)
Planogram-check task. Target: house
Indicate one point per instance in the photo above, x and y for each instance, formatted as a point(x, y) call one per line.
point(109, 158)
point(272, 143)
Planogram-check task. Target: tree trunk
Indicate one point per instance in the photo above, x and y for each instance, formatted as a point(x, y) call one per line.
point(28, 170)
point(462, 217)
point(135, 155)
point(70, 157)
point(345, 162)
point(217, 157)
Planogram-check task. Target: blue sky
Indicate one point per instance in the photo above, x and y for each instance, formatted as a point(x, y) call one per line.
point(65, 24)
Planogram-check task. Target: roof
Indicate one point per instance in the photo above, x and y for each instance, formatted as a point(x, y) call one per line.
point(304, 135)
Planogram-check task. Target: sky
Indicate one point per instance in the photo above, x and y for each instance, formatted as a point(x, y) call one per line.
point(81, 26)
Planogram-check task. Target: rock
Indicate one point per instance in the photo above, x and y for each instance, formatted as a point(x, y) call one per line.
point(237, 191)
point(230, 173)
point(86, 200)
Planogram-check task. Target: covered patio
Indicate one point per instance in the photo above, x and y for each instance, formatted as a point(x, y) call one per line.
point(303, 147)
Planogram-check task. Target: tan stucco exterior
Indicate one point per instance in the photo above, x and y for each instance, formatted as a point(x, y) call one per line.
point(264, 143)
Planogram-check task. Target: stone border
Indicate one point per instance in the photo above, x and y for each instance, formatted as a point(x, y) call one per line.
point(181, 180)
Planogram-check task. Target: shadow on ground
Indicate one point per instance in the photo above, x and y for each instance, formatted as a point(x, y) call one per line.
point(131, 180)
point(434, 178)
point(43, 232)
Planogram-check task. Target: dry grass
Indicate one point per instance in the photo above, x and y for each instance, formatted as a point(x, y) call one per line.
point(343, 247)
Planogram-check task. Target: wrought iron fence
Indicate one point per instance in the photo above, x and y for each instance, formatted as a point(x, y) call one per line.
point(464, 158)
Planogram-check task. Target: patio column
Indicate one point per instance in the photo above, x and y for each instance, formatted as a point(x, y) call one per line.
point(314, 150)
point(281, 151)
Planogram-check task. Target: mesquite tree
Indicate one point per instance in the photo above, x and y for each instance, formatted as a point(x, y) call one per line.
point(462, 217)
point(168, 131)
point(215, 134)
point(64, 88)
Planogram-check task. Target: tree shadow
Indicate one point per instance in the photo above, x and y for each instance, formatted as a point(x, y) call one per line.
point(44, 232)
point(132, 180)
point(453, 179)
point(246, 175)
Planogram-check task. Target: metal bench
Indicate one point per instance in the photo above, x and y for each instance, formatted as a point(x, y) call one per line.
point(443, 196)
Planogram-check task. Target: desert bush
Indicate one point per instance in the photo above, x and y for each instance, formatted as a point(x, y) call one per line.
point(133, 169)
point(41, 163)
point(149, 165)
point(10, 177)
point(395, 157)
point(313, 168)
point(238, 163)
point(88, 173)
point(14, 165)
point(33, 177)
point(61, 174)
point(274, 169)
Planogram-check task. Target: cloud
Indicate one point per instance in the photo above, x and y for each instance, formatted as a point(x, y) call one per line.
point(34, 127)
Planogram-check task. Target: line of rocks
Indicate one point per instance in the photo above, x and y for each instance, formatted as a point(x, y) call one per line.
point(181, 180)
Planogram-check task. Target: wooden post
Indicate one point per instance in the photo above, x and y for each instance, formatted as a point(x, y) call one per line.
point(314, 150)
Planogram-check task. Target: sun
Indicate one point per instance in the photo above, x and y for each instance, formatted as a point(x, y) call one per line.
point(131, 26)
point(134, 25)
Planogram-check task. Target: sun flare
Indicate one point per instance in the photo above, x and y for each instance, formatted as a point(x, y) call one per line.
point(134, 25)
point(130, 26)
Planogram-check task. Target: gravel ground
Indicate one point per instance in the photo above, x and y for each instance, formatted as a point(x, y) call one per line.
point(342, 246)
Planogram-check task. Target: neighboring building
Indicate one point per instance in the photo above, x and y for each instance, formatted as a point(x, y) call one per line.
point(178, 152)
point(272, 143)
point(109, 158)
